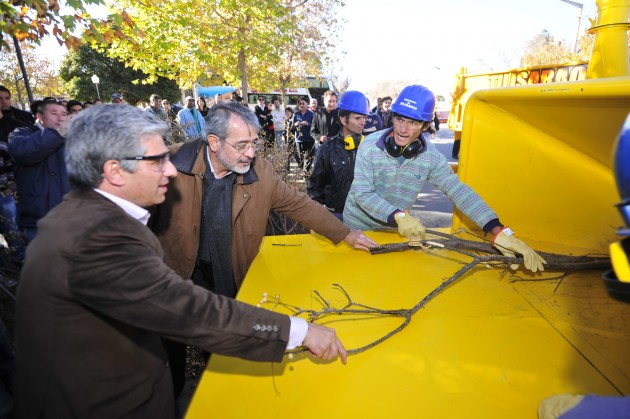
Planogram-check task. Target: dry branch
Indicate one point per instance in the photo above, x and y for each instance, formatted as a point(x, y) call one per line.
point(480, 252)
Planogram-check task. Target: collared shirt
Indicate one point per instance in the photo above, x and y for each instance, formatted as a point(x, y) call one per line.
point(130, 208)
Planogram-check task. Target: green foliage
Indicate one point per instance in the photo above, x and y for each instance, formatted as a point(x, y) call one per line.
point(79, 66)
point(257, 42)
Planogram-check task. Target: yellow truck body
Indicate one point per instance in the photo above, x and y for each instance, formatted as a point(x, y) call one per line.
point(492, 345)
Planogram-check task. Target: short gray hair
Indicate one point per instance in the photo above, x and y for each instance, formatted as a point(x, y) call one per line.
point(218, 119)
point(107, 132)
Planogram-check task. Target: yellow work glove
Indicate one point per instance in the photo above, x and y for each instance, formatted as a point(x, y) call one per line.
point(409, 226)
point(507, 244)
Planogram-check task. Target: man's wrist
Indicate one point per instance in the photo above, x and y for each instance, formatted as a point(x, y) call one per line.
point(297, 332)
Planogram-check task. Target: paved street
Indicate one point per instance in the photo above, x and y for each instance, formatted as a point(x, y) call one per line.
point(433, 208)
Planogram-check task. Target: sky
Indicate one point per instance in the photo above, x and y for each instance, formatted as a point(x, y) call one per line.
point(427, 42)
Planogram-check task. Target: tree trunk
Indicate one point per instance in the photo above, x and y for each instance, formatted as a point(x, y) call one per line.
point(242, 67)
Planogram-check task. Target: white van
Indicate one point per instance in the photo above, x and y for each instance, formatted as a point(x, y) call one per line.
point(315, 88)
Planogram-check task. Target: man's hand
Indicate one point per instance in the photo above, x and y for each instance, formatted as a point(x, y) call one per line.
point(323, 343)
point(409, 226)
point(508, 245)
point(360, 241)
point(323, 138)
point(65, 124)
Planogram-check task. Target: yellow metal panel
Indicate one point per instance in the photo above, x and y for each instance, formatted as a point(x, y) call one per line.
point(484, 348)
point(609, 57)
point(541, 157)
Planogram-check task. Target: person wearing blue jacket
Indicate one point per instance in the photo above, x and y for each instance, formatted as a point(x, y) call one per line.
point(40, 169)
point(304, 142)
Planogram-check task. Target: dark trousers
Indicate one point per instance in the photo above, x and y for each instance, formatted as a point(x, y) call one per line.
point(304, 154)
point(177, 351)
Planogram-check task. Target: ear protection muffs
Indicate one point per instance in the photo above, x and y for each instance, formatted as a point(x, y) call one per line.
point(409, 151)
point(352, 142)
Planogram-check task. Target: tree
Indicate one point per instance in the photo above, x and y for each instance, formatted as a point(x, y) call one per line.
point(32, 20)
point(43, 75)
point(305, 51)
point(244, 41)
point(79, 66)
point(544, 49)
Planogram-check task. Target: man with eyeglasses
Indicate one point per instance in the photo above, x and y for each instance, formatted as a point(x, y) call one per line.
point(261, 110)
point(214, 217)
point(40, 170)
point(392, 167)
point(95, 297)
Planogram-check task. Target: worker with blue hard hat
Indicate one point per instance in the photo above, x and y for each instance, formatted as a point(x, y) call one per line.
point(392, 167)
point(333, 168)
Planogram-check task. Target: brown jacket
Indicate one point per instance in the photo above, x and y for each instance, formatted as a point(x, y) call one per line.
point(94, 299)
point(255, 194)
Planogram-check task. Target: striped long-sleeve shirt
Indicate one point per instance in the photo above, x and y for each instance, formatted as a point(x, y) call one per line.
point(382, 185)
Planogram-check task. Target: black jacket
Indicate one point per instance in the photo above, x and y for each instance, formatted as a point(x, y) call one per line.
point(333, 173)
point(325, 123)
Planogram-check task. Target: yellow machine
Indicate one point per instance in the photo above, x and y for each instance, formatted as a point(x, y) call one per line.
point(490, 345)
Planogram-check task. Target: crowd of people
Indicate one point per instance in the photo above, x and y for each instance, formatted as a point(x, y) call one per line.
point(106, 306)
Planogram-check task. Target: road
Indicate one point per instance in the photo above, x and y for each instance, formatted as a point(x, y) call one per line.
point(433, 208)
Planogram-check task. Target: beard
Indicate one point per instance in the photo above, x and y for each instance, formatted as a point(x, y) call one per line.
point(233, 165)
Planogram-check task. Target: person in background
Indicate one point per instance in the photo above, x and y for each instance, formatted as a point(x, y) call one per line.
point(11, 112)
point(326, 120)
point(304, 142)
point(385, 113)
point(155, 107)
point(89, 332)
point(40, 170)
point(10, 119)
point(74, 107)
point(191, 120)
point(202, 106)
point(333, 168)
point(392, 167)
point(261, 110)
point(278, 116)
point(313, 105)
point(117, 98)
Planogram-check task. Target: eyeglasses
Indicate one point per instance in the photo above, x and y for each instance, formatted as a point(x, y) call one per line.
point(242, 148)
point(411, 123)
point(158, 161)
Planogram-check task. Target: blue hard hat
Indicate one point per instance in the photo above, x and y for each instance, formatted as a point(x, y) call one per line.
point(353, 101)
point(415, 102)
point(622, 175)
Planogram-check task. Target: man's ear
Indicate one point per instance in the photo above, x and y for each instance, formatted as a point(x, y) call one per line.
point(113, 173)
point(213, 142)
